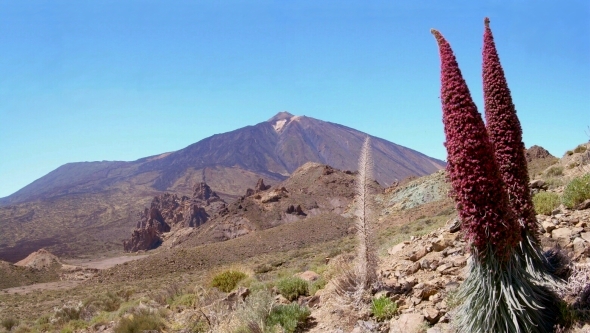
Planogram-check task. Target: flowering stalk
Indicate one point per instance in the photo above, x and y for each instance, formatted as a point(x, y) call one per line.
point(505, 134)
point(498, 295)
point(478, 189)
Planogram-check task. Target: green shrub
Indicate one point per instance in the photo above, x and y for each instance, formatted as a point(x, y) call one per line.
point(69, 311)
point(316, 285)
point(74, 325)
point(545, 202)
point(138, 321)
point(102, 302)
point(228, 280)
point(183, 301)
point(576, 191)
point(569, 153)
point(9, 323)
point(580, 149)
point(292, 287)
point(383, 308)
point(554, 171)
point(290, 316)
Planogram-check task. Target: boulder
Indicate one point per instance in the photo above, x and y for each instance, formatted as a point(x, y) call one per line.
point(407, 323)
point(562, 236)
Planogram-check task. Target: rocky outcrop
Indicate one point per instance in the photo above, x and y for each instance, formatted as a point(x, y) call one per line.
point(260, 187)
point(149, 229)
point(536, 152)
point(169, 212)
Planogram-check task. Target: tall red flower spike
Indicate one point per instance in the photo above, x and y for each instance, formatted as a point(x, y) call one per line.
point(505, 133)
point(478, 188)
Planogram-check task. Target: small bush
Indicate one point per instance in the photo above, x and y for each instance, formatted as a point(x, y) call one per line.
point(554, 171)
point(74, 325)
point(569, 153)
point(383, 308)
point(576, 191)
point(138, 321)
point(290, 317)
point(228, 280)
point(545, 202)
point(102, 302)
point(580, 149)
point(69, 311)
point(184, 301)
point(9, 323)
point(292, 287)
point(316, 285)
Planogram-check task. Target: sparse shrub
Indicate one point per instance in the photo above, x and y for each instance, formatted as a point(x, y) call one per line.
point(576, 191)
point(545, 202)
point(554, 171)
point(74, 325)
point(580, 149)
point(226, 281)
point(69, 311)
point(102, 302)
point(9, 323)
point(292, 287)
point(290, 316)
point(140, 320)
point(383, 308)
point(252, 314)
point(569, 153)
point(316, 285)
point(183, 301)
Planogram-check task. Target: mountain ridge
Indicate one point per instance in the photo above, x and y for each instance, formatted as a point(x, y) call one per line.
point(271, 151)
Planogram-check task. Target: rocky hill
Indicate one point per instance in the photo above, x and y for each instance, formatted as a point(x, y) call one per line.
point(85, 208)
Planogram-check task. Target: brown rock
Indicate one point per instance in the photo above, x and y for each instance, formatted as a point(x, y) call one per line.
point(431, 315)
point(260, 186)
point(407, 323)
point(548, 226)
point(584, 205)
point(396, 249)
point(413, 268)
point(417, 255)
point(562, 236)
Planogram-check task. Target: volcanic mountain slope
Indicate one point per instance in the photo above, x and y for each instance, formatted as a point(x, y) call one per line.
point(89, 207)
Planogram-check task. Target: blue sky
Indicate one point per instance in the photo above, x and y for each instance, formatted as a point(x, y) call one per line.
point(121, 80)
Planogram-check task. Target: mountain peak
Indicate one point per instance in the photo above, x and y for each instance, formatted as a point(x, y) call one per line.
point(283, 115)
point(279, 121)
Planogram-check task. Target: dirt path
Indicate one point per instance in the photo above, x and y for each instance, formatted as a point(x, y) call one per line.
point(101, 263)
point(41, 287)
point(104, 263)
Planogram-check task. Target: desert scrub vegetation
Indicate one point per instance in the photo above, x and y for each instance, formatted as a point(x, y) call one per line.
point(9, 323)
point(554, 171)
point(226, 281)
point(576, 191)
point(546, 202)
point(580, 149)
point(139, 320)
point(383, 308)
point(289, 317)
point(292, 287)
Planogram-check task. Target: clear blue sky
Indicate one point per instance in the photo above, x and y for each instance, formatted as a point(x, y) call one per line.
point(120, 80)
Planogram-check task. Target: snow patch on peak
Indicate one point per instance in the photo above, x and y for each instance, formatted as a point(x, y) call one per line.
point(278, 126)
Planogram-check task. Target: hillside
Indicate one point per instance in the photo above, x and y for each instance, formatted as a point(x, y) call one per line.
point(89, 207)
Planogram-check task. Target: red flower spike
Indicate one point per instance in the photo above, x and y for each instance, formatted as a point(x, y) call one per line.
point(505, 133)
point(478, 188)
